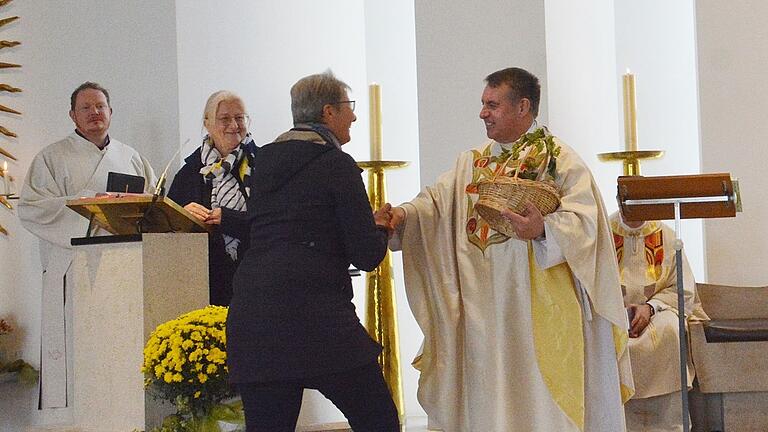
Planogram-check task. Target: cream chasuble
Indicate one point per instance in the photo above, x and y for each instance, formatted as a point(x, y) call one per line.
point(649, 274)
point(527, 336)
point(68, 169)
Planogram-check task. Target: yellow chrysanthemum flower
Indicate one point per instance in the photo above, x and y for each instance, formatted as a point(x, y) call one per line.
point(186, 357)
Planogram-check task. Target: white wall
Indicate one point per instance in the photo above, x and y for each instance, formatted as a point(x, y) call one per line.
point(733, 63)
point(63, 44)
point(581, 62)
point(664, 61)
point(589, 46)
point(457, 45)
point(258, 49)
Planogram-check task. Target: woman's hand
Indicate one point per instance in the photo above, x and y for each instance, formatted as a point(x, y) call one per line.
point(214, 217)
point(200, 212)
point(383, 217)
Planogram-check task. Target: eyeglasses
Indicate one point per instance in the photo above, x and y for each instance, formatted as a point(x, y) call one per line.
point(350, 102)
point(89, 108)
point(241, 120)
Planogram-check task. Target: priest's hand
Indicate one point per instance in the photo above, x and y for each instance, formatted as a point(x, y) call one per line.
point(529, 225)
point(641, 320)
point(200, 212)
point(214, 217)
point(383, 217)
point(398, 217)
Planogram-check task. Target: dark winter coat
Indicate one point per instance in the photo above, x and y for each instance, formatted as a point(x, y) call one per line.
point(188, 186)
point(292, 315)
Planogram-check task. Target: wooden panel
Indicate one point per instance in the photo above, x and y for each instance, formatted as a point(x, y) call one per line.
point(688, 186)
point(122, 214)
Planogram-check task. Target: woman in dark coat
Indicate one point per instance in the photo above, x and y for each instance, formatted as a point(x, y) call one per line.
point(292, 324)
point(211, 186)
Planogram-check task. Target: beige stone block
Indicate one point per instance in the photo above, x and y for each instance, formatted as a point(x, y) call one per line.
point(745, 412)
point(122, 292)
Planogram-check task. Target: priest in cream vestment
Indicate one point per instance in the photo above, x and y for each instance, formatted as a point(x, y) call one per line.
point(520, 334)
point(647, 266)
point(77, 166)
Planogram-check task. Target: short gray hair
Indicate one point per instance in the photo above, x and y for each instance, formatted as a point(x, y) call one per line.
point(212, 105)
point(521, 83)
point(310, 94)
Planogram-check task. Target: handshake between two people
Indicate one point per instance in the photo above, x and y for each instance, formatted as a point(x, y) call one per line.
point(389, 217)
point(528, 224)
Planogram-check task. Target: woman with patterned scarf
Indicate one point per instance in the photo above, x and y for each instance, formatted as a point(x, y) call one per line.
point(212, 186)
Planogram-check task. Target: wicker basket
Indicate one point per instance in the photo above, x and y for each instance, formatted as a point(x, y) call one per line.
point(502, 192)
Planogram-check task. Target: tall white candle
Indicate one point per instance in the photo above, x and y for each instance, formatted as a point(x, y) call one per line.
point(630, 112)
point(374, 99)
point(6, 179)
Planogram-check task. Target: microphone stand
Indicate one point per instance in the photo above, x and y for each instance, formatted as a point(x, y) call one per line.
point(159, 190)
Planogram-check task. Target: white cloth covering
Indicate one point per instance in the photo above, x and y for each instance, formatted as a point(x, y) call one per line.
point(65, 170)
point(478, 365)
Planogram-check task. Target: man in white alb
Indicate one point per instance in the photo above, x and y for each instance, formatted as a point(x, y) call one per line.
point(77, 166)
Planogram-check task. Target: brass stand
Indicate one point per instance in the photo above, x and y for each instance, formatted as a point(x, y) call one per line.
point(4, 201)
point(380, 304)
point(631, 159)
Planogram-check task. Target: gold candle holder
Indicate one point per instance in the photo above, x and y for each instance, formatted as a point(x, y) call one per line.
point(631, 157)
point(380, 303)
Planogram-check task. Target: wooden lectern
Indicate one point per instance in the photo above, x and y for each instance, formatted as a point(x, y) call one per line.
point(128, 214)
point(679, 197)
point(122, 288)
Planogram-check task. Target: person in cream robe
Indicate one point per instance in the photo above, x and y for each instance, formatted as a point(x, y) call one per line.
point(74, 167)
point(647, 266)
point(524, 333)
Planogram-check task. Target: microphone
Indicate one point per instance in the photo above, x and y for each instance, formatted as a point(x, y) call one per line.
point(160, 185)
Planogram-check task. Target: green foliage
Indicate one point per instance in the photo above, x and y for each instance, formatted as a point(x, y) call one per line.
point(528, 154)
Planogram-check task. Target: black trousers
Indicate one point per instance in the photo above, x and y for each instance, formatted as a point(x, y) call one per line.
point(361, 394)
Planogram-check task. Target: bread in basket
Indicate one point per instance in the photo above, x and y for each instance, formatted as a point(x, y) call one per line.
point(529, 180)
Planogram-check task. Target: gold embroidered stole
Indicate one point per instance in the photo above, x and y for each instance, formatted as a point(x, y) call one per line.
point(558, 336)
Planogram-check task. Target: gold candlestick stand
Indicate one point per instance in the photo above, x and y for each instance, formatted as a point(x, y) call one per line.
point(380, 304)
point(630, 159)
point(5, 202)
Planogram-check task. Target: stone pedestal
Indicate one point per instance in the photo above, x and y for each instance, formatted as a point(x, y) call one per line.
point(732, 376)
point(122, 291)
